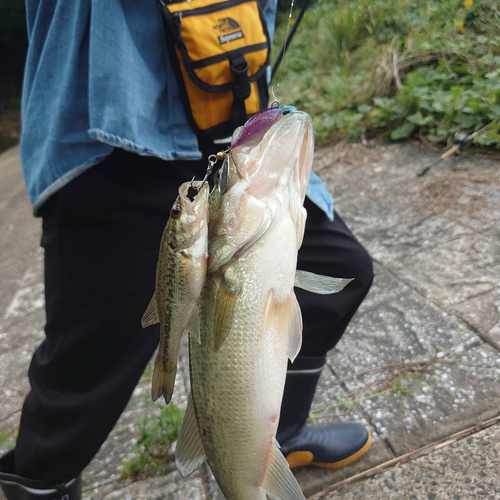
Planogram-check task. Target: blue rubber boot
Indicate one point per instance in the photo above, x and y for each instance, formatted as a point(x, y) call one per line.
point(332, 446)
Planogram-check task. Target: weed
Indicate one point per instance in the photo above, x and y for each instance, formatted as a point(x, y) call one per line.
point(396, 69)
point(6, 438)
point(156, 436)
point(400, 382)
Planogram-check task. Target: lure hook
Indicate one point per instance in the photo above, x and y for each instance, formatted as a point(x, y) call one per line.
point(212, 160)
point(275, 103)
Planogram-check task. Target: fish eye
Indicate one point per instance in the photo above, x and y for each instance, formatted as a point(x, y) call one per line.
point(286, 111)
point(175, 211)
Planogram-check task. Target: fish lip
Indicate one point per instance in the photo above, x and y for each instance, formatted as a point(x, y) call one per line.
point(194, 215)
point(269, 115)
point(273, 127)
point(192, 207)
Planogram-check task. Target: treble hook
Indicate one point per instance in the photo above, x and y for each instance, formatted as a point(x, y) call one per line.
point(212, 161)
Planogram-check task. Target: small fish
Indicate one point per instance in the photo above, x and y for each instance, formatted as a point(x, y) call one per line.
point(250, 320)
point(180, 275)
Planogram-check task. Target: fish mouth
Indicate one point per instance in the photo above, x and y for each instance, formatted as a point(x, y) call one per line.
point(293, 116)
point(273, 137)
point(198, 204)
point(267, 176)
point(256, 127)
point(258, 130)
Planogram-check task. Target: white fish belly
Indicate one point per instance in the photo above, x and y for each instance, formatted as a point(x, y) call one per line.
point(237, 391)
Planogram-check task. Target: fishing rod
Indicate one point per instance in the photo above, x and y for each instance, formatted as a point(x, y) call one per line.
point(461, 140)
point(290, 36)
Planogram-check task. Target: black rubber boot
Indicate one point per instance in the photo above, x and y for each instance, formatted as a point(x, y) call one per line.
point(19, 488)
point(332, 446)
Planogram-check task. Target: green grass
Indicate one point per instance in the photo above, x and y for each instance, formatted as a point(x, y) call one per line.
point(395, 69)
point(7, 438)
point(156, 436)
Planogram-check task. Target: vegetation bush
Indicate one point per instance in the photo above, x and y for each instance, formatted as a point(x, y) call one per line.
point(157, 433)
point(395, 69)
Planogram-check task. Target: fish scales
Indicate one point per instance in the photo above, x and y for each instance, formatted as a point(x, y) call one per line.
point(180, 274)
point(253, 363)
point(250, 321)
point(171, 282)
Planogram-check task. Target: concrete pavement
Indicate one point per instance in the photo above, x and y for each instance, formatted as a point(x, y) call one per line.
point(419, 363)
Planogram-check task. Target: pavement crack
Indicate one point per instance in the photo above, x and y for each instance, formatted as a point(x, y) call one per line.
point(475, 295)
point(483, 335)
point(450, 313)
point(363, 413)
point(410, 456)
point(387, 443)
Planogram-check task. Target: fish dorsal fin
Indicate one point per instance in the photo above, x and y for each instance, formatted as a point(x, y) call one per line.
point(193, 325)
point(189, 453)
point(150, 316)
point(279, 482)
point(294, 328)
point(317, 283)
point(227, 295)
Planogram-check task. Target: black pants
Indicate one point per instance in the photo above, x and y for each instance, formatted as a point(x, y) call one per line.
point(101, 235)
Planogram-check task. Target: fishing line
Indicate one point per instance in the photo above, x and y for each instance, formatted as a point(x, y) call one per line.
point(284, 47)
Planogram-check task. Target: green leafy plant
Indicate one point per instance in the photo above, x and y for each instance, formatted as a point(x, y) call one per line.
point(156, 436)
point(6, 438)
point(396, 69)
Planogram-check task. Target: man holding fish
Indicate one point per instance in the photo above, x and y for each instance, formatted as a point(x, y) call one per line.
point(97, 129)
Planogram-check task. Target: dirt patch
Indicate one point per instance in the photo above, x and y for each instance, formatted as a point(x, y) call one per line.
point(453, 191)
point(354, 155)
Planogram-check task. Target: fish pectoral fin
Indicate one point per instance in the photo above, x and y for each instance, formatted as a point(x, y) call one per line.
point(317, 283)
point(227, 295)
point(294, 328)
point(193, 325)
point(289, 321)
point(279, 482)
point(150, 316)
point(189, 453)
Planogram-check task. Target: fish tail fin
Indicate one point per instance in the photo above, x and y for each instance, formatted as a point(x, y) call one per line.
point(279, 481)
point(163, 380)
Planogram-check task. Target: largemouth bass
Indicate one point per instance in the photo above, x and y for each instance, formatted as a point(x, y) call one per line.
point(180, 275)
point(250, 320)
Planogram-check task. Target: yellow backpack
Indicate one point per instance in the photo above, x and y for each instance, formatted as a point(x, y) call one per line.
point(221, 55)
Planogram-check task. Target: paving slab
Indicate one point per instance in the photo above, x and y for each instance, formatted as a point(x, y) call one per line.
point(457, 268)
point(445, 399)
point(329, 394)
point(438, 233)
point(395, 323)
point(494, 334)
point(166, 487)
point(461, 471)
point(117, 448)
point(435, 297)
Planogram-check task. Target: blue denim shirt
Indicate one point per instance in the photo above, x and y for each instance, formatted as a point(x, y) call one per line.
point(98, 76)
